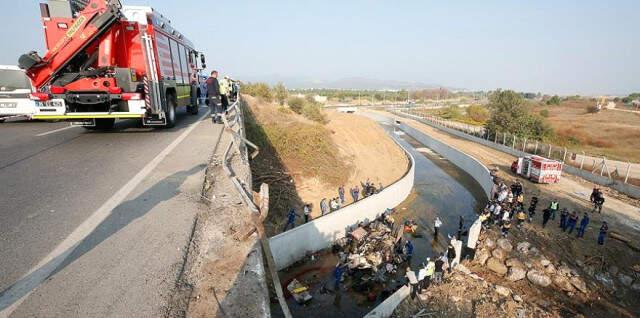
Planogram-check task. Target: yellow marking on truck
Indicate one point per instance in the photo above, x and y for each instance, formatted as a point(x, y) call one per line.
point(80, 116)
point(184, 96)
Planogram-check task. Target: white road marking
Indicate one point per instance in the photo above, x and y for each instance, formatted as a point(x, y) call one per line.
point(13, 296)
point(55, 131)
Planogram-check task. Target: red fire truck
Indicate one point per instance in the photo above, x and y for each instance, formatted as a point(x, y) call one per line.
point(106, 62)
point(538, 169)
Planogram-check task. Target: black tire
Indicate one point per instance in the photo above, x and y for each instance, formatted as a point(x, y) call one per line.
point(170, 113)
point(102, 124)
point(194, 109)
point(2, 120)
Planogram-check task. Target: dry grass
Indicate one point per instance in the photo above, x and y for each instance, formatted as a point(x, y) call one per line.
point(608, 133)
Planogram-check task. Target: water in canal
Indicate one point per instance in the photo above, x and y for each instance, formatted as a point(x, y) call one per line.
point(440, 189)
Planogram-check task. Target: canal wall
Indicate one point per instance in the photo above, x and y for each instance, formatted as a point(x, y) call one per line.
point(293, 245)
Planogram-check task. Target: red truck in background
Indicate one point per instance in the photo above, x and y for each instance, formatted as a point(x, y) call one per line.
point(106, 62)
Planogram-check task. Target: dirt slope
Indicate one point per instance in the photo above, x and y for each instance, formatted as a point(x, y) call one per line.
point(304, 161)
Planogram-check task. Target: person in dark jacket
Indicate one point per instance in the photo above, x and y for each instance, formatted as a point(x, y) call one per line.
point(451, 255)
point(213, 95)
point(603, 233)
point(564, 215)
point(573, 220)
point(598, 202)
point(546, 215)
point(583, 225)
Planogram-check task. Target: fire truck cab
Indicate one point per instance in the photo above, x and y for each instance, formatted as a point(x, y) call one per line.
point(106, 61)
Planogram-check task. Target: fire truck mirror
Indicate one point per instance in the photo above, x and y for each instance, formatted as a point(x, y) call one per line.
point(202, 60)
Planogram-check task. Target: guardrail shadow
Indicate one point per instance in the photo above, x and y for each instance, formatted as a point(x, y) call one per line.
point(120, 217)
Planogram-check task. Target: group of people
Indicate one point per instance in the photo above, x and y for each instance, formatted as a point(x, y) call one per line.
point(219, 93)
point(332, 204)
point(431, 271)
point(507, 203)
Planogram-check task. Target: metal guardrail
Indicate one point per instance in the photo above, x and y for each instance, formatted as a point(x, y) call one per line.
point(233, 120)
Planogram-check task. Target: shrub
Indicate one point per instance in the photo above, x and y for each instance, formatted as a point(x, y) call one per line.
point(592, 109)
point(296, 104)
point(280, 92)
point(451, 112)
point(313, 111)
point(544, 113)
point(478, 113)
point(260, 90)
point(555, 100)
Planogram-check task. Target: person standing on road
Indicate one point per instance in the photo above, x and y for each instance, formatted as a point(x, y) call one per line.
point(341, 194)
point(356, 194)
point(563, 219)
point(573, 220)
point(546, 214)
point(599, 201)
point(553, 206)
point(213, 95)
point(583, 225)
point(225, 90)
point(436, 227)
point(603, 233)
point(594, 194)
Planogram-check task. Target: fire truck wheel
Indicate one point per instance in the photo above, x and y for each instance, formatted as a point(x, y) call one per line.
point(171, 112)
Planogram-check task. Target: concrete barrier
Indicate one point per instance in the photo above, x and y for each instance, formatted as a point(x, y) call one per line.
point(293, 245)
point(472, 166)
point(386, 308)
point(628, 189)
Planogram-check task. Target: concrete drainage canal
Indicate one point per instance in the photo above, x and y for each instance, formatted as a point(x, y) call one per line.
point(439, 189)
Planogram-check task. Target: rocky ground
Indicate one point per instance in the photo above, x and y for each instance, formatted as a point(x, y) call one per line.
point(518, 277)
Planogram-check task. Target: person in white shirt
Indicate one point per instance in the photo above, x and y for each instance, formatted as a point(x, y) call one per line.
point(436, 226)
point(307, 212)
point(413, 281)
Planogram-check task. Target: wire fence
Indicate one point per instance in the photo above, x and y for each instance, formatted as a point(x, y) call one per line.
point(626, 172)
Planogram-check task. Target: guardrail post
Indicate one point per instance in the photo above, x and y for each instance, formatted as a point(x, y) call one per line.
point(564, 157)
point(549, 156)
point(524, 145)
point(513, 144)
point(504, 138)
point(535, 150)
point(582, 161)
point(495, 141)
point(626, 178)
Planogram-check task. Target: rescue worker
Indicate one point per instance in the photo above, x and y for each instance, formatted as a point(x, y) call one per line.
point(573, 220)
point(213, 95)
point(553, 206)
point(436, 227)
point(532, 208)
point(225, 90)
point(522, 217)
point(291, 219)
point(598, 202)
point(563, 219)
point(583, 225)
point(337, 275)
point(431, 267)
point(594, 194)
point(603, 232)
point(506, 225)
point(408, 250)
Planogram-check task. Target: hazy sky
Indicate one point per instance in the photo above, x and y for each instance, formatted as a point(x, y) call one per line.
point(567, 47)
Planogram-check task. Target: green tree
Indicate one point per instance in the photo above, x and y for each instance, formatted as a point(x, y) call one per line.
point(555, 100)
point(510, 113)
point(280, 93)
point(478, 113)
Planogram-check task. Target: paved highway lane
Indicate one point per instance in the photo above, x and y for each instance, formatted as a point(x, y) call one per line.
point(53, 178)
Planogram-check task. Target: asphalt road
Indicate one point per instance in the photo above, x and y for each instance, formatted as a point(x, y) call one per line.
point(95, 223)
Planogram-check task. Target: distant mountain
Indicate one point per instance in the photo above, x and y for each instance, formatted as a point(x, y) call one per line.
point(347, 83)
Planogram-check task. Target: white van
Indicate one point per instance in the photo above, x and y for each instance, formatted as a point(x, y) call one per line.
point(15, 90)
